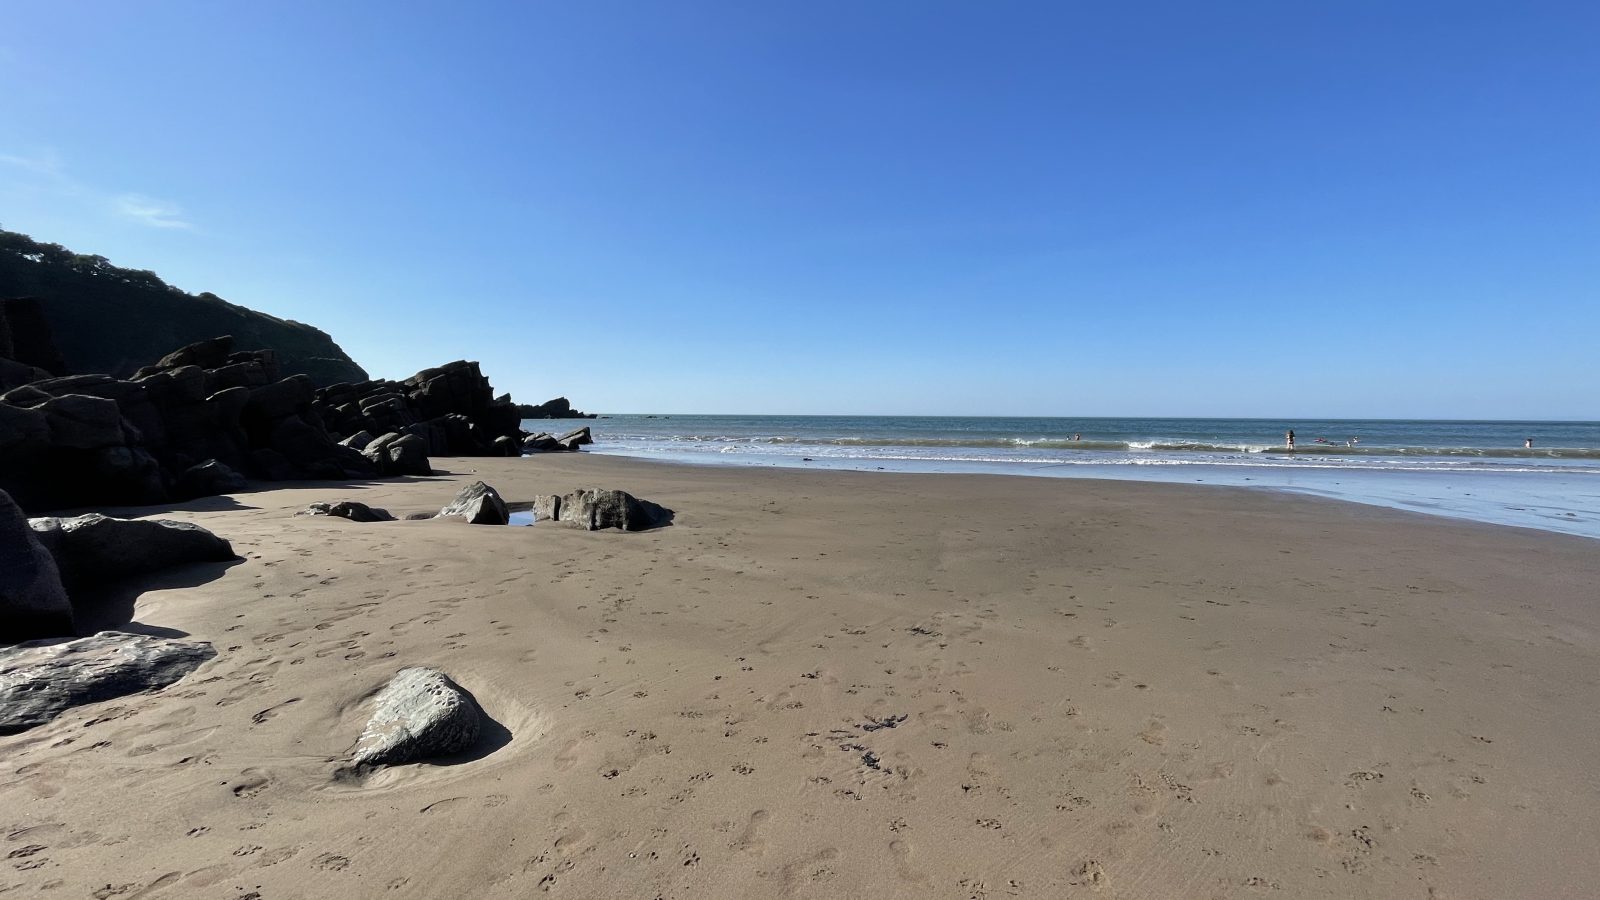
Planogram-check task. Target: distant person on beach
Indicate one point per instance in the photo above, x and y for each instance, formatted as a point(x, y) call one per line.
point(1352, 442)
point(1528, 443)
point(1290, 438)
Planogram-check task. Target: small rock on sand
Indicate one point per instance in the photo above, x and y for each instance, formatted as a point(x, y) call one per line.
point(420, 713)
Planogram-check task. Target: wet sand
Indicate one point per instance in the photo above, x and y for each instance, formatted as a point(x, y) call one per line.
point(831, 684)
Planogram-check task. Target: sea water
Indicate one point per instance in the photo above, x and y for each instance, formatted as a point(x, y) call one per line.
point(1475, 470)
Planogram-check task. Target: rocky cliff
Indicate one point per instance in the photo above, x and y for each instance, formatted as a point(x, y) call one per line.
point(112, 320)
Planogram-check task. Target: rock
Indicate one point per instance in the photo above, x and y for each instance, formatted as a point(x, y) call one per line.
point(358, 441)
point(420, 713)
point(577, 438)
point(540, 443)
point(479, 504)
point(95, 548)
point(559, 408)
point(208, 479)
point(82, 422)
point(547, 508)
point(348, 509)
point(596, 509)
point(33, 602)
point(399, 454)
point(506, 445)
point(41, 679)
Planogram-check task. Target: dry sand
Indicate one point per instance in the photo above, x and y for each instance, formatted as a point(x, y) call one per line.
point(1096, 689)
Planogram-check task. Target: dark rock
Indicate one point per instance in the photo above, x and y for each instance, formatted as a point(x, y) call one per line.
point(348, 509)
point(208, 479)
point(41, 679)
point(95, 548)
point(506, 445)
point(358, 441)
point(479, 504)
point(81, 422)
point(596, 509)
point(26, 336)
point(559, 408)
point(399, 454)
point(419, 714)
point(33, 602)
point(540, 443)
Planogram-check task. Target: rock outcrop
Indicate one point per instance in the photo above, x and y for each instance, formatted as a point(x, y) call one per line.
point(478, 504)
point(33, 601)
point(594, 509)
point(419, 714)
point(451, 409)
point(41, 679)
point(93, 549)
point(89, 439)
point(559, 408)
point(348, 509)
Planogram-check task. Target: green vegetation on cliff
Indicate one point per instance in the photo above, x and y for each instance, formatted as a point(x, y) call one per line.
point(111, 320)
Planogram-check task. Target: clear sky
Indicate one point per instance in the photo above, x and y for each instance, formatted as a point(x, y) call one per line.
point(1266, 208)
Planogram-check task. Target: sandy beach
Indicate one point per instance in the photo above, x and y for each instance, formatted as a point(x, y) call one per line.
point(837, 684)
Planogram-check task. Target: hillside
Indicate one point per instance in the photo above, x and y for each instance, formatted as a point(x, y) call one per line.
point(113, 320)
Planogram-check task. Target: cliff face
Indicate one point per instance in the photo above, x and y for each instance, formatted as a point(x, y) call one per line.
point(112, 320)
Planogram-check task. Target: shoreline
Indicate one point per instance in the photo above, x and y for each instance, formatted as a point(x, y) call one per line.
point(1399, 491)
point(1096, 688)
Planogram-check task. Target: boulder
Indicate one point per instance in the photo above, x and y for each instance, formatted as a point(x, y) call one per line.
point(540, 443)
point(33, 602)
point(399, 454)
point(208, 479)
point(479, 504)
point(82, 422)
point(41, 679)
point(576, 438)
point(506, 445)
point(358, 441)
point(95, 548)
point(348, 509)
point(594, 509)
point(419, 714)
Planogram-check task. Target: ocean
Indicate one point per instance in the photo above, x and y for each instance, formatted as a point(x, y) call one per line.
point(1474, 470)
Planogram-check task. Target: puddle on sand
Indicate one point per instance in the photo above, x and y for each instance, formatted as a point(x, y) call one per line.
point(521, 518)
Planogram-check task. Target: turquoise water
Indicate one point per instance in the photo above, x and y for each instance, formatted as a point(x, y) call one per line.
point(1475, 470)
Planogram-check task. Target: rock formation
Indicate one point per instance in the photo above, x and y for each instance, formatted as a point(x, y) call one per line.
point(559, 408)
point(41, 679)
point(478, 504)
point(596, 509)
point(451, 409)
point(420, 713)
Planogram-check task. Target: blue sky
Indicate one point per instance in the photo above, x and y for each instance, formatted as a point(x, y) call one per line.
point(1266, 208)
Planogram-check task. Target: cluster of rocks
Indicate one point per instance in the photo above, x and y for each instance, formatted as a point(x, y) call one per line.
point(192, 424)
point(559, 408)
point(544, 442)
point(450, 410)
point(204, 418)
point(44, 562)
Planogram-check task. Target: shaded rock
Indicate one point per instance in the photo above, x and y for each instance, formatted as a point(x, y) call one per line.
point(358, 441)
point(348, 509)
point(33, 602)
point(506, 445)
point(82, 422)
point(540, 443)
point(596, 509)
point(208, 479)
point(94, 548)
point(559, 408)
point(479, 504)
point(399, 454)
point(420, 713)
point(41, 679)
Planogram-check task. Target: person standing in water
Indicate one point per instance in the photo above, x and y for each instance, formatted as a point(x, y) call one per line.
point(1528, 443)
point(1290, 438)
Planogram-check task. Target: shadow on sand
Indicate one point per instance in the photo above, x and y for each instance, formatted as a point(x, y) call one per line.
point(109, 607)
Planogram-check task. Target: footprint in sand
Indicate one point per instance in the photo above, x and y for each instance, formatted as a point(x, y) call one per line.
point(749, 841)
point(251, 782)
point(272, 711)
